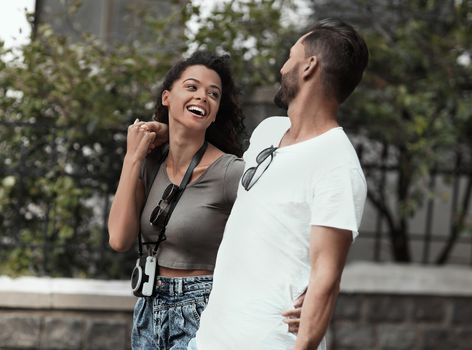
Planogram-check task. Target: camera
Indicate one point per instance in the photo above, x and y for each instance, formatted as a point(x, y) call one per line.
point(143, 277)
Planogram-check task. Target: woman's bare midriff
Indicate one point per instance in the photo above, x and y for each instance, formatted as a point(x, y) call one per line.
point(168, 272)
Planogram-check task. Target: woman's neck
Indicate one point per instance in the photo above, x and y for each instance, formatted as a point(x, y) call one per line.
point(182, 148)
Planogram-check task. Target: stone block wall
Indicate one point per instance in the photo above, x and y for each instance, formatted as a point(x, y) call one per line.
point(65, 314)
point(60, 329)
point(381, 307)
point(401, 322)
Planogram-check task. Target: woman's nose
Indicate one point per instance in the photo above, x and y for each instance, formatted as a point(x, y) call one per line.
point(201, 95)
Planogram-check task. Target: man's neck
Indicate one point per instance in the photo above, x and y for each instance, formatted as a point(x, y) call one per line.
point(309, 117)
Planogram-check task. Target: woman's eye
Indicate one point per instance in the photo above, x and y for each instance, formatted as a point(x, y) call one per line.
point(191, 87)
point(214, 94)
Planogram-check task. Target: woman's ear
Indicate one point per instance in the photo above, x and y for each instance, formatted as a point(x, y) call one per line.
point(311, 65)
point(165, 98)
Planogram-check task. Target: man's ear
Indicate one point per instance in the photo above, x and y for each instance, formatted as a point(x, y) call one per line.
point(310, 67)
point(165, 98)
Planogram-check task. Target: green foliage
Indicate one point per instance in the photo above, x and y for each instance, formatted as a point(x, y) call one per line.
point(416, 99)
point(65, 109)
point(66, 104)
point(251, 32)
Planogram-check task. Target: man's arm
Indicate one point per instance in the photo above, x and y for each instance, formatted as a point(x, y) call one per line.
point(328, 252)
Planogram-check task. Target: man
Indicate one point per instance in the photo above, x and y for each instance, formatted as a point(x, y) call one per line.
point(298, 208)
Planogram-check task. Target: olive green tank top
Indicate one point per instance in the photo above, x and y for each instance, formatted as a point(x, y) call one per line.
point(196, 227)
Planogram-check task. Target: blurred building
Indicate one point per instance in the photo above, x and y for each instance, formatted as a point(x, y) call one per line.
point(112, 21)
point(382, 11)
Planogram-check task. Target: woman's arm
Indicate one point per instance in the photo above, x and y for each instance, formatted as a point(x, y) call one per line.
point(123, 221)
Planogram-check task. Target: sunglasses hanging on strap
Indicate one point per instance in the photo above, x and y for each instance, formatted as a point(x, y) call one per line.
point(253, 174)
point(143, 282)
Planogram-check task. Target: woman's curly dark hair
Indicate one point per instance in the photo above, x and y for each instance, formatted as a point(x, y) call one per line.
point(228, 127)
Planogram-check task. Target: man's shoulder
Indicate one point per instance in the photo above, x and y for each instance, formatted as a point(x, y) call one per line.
point(271, 126)
point(333, 150)
point(274, 121)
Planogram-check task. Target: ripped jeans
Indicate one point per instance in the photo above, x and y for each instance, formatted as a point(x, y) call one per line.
point(170, 318)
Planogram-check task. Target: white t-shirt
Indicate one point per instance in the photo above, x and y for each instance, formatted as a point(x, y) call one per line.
point(263, 261)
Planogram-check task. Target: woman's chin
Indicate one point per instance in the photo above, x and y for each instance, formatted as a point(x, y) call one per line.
point(195, 124)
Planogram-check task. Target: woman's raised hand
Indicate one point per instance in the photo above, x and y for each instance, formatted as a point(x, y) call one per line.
point(143, 137)
point(160, 129)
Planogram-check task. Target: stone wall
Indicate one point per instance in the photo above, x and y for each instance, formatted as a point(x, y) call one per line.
point(64, 329)
point(403, 307)
point(46, 313)
point(393, 322)
point(381, 307)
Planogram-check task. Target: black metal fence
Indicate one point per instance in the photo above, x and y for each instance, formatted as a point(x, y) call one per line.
point(85, 249)
point(31, 240)
point(441, 230)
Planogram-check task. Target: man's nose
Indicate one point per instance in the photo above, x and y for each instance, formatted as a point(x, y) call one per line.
point(281, 71)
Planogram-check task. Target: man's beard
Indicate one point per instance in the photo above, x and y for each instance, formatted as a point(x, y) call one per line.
point(288, 89)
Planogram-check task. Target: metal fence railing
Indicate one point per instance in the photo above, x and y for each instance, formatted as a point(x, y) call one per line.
point(444, 222)
point(30, 232)
point(43, 231)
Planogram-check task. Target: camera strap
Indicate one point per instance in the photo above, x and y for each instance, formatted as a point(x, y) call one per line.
point(183, 184)
point(153, 163)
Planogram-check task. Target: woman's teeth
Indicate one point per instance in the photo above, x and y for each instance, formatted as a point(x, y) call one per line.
point(197, 110)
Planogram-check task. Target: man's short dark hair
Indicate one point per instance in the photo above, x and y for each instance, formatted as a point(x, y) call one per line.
point(343, 55)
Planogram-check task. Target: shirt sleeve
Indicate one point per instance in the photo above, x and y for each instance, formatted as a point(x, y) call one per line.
point(339, 198)
point(233, 174)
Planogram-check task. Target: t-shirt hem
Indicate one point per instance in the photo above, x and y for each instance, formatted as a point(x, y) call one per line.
point(187, 266)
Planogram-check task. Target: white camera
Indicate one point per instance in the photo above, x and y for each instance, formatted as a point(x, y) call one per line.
point(143, 283)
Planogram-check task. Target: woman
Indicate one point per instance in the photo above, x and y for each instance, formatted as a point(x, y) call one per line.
point(198, 101)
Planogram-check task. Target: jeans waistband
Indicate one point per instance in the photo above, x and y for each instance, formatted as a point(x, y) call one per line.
point(179, 285)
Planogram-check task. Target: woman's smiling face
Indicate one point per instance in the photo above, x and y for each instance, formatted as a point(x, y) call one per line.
point(194, 98)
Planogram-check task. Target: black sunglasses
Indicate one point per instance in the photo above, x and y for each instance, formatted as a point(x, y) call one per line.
point(160, 213)
point(248, 179)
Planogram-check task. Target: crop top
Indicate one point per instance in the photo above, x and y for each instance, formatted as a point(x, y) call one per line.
point(196, 226)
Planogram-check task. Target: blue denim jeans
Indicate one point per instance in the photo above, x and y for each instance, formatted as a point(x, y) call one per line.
point(192, 345)
point(170, 318)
